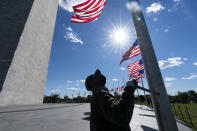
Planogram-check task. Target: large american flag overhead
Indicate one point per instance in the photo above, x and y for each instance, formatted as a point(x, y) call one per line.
point(88, 11)
point(136, 70)
point(133, 51)
point(139, 74)
point(136, 66)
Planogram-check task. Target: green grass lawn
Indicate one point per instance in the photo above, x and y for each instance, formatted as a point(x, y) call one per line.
point(192, 107)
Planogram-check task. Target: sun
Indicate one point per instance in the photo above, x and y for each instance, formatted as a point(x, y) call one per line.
point(119, 36)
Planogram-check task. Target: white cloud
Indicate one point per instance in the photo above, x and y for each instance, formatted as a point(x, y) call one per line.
point(122, 68)
point(115, 79)
point(191, 76)
point(170, 78)
point(177, 2)
point(169, 10)
point(73, 89)
point(175, 6)
point(69, 29)
point(154, 7)
point(67, 4)
point(185, 59)
point(170, 62)
point(166, 30)
point(133, 6)
point(82, 81)
point(55, 91)
point(69, 82)
point(195, 63)
point(73, 37)
point(155, 19)
point(168, 84)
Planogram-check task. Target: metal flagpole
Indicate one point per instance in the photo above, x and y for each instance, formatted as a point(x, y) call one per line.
point(143, 87)
point(113, 87)
point(118, 88)
point(123, 82)
point(163, 111)
point(138, 97)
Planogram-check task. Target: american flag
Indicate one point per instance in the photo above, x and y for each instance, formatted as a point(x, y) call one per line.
point(136, 70)
point(110, 91)
point(139, 74)
point(138, 80)
point(88, 11)
point(135, 67)
point(116, 90)
point(133, 51)
point(122, 88)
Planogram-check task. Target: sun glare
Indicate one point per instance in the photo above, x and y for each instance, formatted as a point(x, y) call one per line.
point(119, 36)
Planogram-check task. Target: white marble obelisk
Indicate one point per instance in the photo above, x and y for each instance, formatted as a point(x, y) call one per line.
point(27, 28)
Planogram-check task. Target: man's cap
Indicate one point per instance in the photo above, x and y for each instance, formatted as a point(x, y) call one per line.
point(97, 77)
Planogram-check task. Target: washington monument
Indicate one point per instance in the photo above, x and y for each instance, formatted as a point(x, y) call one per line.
point(26, 33)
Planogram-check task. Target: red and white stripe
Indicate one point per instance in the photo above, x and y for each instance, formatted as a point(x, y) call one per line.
point(135, 52)
point(137, 77)
point(134, 71)
point(135, 67)
point(88, 11)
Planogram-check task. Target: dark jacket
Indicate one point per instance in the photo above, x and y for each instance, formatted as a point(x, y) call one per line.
point(109, 114)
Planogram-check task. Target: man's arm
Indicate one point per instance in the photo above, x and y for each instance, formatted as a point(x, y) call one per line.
point(117, 112)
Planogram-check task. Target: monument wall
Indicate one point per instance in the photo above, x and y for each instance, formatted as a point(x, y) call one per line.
point(26, 33)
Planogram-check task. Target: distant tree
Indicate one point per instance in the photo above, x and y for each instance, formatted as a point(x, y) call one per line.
point(193, 95)
point(67, 99)
point(47, 99)
point(142, 98)
point(182, 97)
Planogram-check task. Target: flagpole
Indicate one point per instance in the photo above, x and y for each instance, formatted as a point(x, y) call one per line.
point(163, 111)
point(118, 87)
point(143, 87)
point(113, 87)
point(138, 96)
point(123, 82)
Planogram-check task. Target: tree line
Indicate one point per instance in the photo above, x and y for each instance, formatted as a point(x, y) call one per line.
point(184, 97)
point(55, 98)
point(180, 97)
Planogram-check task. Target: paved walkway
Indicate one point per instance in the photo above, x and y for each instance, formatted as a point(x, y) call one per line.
point(66, 117)
point(144, 120)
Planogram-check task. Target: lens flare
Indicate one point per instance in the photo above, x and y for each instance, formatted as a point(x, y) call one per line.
point(119, 36)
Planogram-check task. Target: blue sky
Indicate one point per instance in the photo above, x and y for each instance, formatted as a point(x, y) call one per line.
point(79, 49)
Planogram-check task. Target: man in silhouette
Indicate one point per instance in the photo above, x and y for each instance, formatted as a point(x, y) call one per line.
point(108, 113)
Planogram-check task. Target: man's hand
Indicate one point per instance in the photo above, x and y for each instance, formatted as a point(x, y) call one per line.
point(131, 85)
